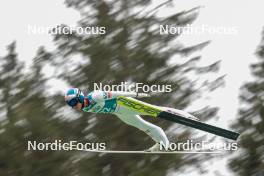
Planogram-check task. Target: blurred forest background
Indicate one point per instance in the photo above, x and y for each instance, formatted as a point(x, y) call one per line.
point(131, 50)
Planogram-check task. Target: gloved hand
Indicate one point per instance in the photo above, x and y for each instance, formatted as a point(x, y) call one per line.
point(140, 95)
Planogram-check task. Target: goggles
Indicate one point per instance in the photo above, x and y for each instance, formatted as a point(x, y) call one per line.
point(73, 102)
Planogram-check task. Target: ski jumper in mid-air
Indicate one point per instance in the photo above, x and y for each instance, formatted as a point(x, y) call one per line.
point(106, 102)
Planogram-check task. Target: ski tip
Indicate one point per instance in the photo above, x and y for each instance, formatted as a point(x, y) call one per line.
point(236, 135)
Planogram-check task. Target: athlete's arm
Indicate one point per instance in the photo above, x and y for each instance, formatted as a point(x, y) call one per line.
point(128, 94)
point(98, 96)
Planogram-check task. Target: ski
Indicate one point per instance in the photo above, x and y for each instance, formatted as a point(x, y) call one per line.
point(146, 152)
point(199, 125)
point(154, 111)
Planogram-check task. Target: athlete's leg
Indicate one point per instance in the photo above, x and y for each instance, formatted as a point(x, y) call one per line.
point(155, 132)
point(172, 110)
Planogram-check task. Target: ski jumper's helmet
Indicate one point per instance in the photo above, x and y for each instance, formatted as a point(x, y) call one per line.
point(74, 96)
